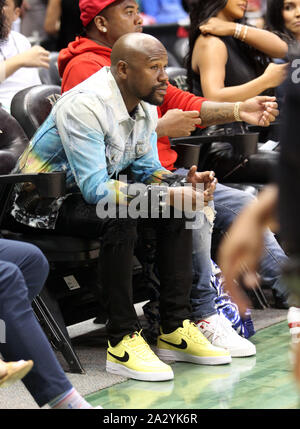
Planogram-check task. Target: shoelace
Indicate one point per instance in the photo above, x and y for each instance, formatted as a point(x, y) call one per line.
point(222, 325)
point(194, 333)
point(140, 347)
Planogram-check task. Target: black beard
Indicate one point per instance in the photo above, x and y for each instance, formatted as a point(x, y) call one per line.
point(150, 98)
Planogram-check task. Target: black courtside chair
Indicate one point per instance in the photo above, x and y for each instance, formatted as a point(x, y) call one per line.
point(32, 105)
point(51, 75)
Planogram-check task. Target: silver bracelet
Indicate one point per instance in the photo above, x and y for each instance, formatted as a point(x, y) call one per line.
point(238, 29)
point(245, 33)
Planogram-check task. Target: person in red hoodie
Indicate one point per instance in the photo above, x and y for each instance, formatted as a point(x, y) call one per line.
point(104, 22)
point(86, 55)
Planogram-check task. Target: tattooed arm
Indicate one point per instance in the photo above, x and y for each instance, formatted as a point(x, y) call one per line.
point(258, 111)
point(213, 113)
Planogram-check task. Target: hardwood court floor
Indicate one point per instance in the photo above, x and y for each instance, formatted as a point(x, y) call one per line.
point(261, 382)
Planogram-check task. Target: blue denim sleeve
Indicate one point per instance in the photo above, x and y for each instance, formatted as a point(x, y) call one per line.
point(148, 168)
point(83, 139)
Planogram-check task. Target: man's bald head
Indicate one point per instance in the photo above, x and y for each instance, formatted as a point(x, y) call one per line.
point(138, 63)
point(134, 46)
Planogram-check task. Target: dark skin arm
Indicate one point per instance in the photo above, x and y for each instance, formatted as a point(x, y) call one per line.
point(257, 111)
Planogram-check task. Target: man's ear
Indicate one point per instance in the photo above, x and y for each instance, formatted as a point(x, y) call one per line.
point(122, 69)
point(101, 23)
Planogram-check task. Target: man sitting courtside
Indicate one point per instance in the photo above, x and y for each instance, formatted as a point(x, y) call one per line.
point(104, 22)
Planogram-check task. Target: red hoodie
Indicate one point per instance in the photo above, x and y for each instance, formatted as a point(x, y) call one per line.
point(83, 57)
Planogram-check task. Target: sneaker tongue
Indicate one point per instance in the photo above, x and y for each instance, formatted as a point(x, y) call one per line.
point(134, 334)
point(187, 323)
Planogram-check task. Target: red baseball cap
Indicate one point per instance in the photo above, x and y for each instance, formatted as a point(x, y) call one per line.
point(90, 8)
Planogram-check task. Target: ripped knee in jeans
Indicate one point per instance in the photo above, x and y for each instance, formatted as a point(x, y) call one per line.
point(207, 214)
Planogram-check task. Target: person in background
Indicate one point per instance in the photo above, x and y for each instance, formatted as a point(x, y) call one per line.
point(283, 19)
point(229, 61)
point(219, 42)
point(32, 19)
point(62, 22)
point(19, 61)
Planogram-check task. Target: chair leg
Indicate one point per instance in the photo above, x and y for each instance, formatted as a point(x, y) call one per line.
point(56, 333)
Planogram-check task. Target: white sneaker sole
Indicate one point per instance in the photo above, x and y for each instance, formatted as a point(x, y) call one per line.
point(119, 369)
point(173, 355)
point(242, 353)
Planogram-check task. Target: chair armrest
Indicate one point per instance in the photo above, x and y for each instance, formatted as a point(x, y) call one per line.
point(243, 144)
point(272, 132)
point(187, 155)
point(188, 148)
point(49, 185)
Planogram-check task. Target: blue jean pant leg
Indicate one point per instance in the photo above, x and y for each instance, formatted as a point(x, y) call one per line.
point(270, 267)
point(202, 294)
point(228, 204)
point(31, 262)
point(24, 338)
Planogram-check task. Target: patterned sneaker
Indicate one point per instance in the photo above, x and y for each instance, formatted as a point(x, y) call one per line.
point(187, 344)
point(133, 358)
point(218, 330)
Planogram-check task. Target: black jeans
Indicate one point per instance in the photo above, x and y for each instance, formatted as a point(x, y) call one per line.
point(118, 238)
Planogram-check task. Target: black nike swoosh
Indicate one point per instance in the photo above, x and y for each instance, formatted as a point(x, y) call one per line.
point(124, 358)
point(182, 345)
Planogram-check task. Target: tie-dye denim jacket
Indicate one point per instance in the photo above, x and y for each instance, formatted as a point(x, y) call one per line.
point(90, 135)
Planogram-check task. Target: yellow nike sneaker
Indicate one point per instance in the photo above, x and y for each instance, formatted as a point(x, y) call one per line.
point(187, 344)
point(133, 358)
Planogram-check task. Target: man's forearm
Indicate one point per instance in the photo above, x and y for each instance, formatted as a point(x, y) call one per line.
point(214, 113)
